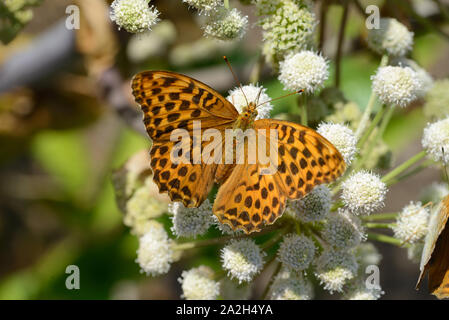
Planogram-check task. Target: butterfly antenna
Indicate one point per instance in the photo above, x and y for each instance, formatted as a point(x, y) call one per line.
point(284, 96)
point(235, 78)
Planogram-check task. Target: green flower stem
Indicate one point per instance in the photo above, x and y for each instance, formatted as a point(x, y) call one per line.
point(370, 105)
point(383, 125)
point(379, 225)
point(226, 4)
point(221, 240)
point(337, 205)
point(423, 165)
point(371, 127)
point(303, 107)
point(380, 216)
point(275, 239)
point(384, 238)
point(404, 166)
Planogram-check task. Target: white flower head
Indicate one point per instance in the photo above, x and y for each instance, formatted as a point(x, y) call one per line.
point(334, 268)
point(436, 140)
point(392, 38)
point(190, 222)
point(155, 253)
point(226, 24)
point(424, 77)
point(251, 91)
point(342, 138)
point(367, 254)
point(134, 16)
point(296, 252)
point(204, 5)
point(243, 259)
point(313, 207)
point(397, 85)
point(290, 285)
point(305, 70)
point(343, 230)
point(198, 284)
point(411, 223)
point(359, 291)
point(363, 192)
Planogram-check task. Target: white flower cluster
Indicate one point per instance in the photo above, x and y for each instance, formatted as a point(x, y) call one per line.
point(198, 284)
point(155, 253)
point(436, 140)
point(190, 222)
point(243, 259)
point(397, 85)
point(411, 223)
point(313, 207)
point(363, 192)
point(226, 24)
point(134, 16)
point(304, 70)
point(252, 92)
point(342, 138)
point(391, 38)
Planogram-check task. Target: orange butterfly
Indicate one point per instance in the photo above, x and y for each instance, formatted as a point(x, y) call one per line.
point(435, 256)
point(246, 198)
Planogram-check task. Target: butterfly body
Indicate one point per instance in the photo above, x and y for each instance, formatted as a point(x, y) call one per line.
point(247, 198)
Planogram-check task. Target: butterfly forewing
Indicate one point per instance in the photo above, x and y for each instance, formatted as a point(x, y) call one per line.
point(172, 101)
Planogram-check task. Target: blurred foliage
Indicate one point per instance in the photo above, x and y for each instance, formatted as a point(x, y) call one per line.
point(60, 144)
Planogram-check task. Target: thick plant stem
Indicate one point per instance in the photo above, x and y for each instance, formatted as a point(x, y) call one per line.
point(384, 238)
point(226, 4)
point(341, 35)
point(370, 106)
point(303, 106)
point(404, 166)
point(378, 225)
point(371, 127)
point(423, 165)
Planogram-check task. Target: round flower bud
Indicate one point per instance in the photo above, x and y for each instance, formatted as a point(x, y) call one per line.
point(397, 85)
point(313, 207)
point(342, 138)
point(296, 252)
point(304, 70)
point(437, 100)
point(289, 285)
point(134, 16)
point(363, 192)
point(204, 5)
point(198, 284)
point(334, 268)
point(343, 231)
point(190, 222)
point(155, 253)
point(251, 91)
point(226, 24)
point(243, 259)
point(359, 291)
point(436, 140)
point(391, 38)
point(288, 26)
point(414, 251)
point(367, 254)
point(434, 193)
point(411, 223)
